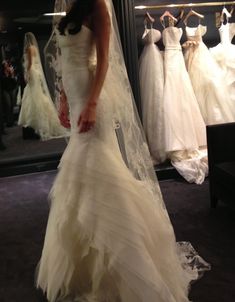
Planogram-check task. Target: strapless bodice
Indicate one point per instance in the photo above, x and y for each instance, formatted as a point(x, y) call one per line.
point(76, 49)
point(196, 33)
point(171, 37)
point(151, 36)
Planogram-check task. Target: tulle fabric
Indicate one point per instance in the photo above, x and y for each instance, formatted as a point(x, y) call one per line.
point(207, 80)
point(185, 131)
point(107, 244)
point(151, 76)
point(224, 54)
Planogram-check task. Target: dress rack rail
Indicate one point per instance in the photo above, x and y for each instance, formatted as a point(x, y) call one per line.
point(183, 5)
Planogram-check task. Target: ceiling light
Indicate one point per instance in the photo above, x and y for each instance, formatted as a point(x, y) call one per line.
point(55, 14)
point(140, 7)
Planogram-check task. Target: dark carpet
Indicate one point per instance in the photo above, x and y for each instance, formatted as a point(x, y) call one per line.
point(23, 218)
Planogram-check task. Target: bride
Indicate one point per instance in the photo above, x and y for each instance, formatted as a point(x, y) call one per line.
point(108, 237)
point(37, 109)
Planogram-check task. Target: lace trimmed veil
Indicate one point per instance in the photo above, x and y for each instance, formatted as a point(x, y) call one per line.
point(30, 42)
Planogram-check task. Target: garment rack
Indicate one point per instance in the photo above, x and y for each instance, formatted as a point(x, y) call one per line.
point(183, 5)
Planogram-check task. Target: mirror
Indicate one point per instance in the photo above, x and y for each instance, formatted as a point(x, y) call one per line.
point(21, 127)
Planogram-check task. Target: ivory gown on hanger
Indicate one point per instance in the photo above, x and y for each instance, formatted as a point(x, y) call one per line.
point(151, 88)
point(107, 239)
point(224, 54)
point(185, 130)
point(207, 79)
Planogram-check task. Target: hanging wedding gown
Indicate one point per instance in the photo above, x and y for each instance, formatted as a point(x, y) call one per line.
point(107, 238)
point(224, 54)
point(185, 131)
point(151, 89)
point(37, 109)
point(207, 79)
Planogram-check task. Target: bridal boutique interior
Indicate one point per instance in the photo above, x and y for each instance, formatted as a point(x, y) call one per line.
point(23, 198)
point(186, 75)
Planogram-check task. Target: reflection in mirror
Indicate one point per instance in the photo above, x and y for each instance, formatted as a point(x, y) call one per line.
point(37, 109)
point(29, 123)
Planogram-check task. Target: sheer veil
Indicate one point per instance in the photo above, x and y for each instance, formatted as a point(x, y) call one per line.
point(129, 130)
point(31, 42)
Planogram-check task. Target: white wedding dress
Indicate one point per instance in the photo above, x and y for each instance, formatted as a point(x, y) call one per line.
point(207, 79)
point(224, 54)
point(107, 240)
point(151, 76)
point(37, 109)
point(185, 131)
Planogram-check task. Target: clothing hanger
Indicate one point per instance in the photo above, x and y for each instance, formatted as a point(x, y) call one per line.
point(193, 13)
point(232, 10)
point(149, 18)
point(180, 16)
point(226, 13)
point(170, 18)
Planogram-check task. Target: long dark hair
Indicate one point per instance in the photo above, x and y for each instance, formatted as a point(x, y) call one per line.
point(80, 10)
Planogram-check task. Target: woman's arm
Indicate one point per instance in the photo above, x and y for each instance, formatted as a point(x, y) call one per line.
point(64, 110)
point(101, 27)
point(29, 57)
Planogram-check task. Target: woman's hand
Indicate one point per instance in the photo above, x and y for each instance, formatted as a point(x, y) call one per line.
point(64, 111)
point(87, 118)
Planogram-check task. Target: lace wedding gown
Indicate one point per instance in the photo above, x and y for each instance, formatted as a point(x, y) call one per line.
point(207, 79)
point(37, 109)
point(224, 54)
point(106, 239)
point(185, 130)
point(151, 88)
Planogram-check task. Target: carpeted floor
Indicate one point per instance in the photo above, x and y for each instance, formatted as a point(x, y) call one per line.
point(23, 218)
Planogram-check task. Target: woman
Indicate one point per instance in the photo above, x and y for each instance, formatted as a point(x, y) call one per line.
point(9, 84)
point(37, 110)
point(2, 146)
point(109, 237)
